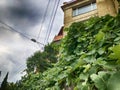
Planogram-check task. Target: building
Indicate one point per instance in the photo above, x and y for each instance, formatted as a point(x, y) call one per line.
point(58, 37)
point(81, 10)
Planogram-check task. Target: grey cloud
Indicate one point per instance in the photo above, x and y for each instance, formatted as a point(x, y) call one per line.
point(25, 16)
point(25, 11)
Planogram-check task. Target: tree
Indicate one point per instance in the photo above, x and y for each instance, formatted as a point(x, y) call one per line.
point(52, 51)
point(38, 61)
point(43, 60)
point(4, 83)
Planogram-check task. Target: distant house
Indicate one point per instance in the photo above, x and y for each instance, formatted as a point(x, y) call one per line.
point(80, 10)
point(58, 37)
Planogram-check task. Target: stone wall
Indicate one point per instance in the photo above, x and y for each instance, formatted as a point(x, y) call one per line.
point(103, 7)
point(106, 7)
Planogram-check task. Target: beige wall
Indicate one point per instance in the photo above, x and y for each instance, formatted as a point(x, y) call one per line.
point(67, 16)
point(116, 5)
point(106, 7)
point(103, 7)
point(69, 19)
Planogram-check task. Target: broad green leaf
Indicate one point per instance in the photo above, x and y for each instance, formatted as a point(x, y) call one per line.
point(100, 61)
point(90, 59)
point(114, 82)
point(84, 76)
point(100, 36)
point(100, 80)
point(101, 50)
point(116, 52)
point(117, 39)
point(87, 67)
point(91, 52)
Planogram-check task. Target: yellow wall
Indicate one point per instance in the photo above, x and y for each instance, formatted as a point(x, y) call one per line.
point(103, 7)
point(106, 7)
point(69, 19)
point(116, 5)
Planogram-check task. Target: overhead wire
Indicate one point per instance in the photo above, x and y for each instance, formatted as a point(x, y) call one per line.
point(47, 31)
point(30, 35)
point(52, 22)
point(49, 27)
point(43, 20)
point(33, 40)
point(19, 70)
point(12, 29)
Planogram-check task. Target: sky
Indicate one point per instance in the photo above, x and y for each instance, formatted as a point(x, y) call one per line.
point(26, 17)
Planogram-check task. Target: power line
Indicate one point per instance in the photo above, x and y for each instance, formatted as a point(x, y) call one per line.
point(19, 68)
point(44, 16)
point(33, 40)
point(52, 21)
point(30, 35)
point(12, 29)
point(19, 71)
point(50, 26)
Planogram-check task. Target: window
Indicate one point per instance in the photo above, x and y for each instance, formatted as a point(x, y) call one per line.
point(84, 9)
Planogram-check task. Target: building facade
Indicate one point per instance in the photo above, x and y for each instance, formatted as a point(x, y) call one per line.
point(58, 37)
point(81, 10)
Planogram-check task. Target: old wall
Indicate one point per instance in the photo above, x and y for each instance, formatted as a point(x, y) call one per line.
point(106, 7)
point(68, 18)
point(103, 7)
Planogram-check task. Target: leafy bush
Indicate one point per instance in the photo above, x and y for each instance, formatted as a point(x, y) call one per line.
point(89, 58)
point(43, 60)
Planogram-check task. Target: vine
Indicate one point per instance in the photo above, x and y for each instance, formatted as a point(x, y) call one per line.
point(89, 58)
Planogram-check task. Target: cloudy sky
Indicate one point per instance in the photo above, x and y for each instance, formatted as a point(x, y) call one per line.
point(26, 17)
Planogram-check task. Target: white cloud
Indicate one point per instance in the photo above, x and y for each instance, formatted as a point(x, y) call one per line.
point(3, 3)
point(3, 50)
point(15, 49)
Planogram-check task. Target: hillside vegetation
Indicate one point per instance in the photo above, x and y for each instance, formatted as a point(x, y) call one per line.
point(89, 59)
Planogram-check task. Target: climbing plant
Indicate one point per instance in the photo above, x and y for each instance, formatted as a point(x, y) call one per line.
point(89, 59)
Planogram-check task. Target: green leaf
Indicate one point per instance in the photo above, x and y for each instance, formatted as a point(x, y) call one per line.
point(116, 53)
point(91, 52)
point(87, 67)
point(90, 59)
point(100, 80)
point(100, 36)
point(100, 61)
point(114, 82)
point(84, 76)
point(117, 39)
point(101, 51)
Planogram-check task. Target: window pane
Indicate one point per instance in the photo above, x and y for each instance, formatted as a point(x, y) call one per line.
point(74, 12)
point(93, 6)
point(84, 9)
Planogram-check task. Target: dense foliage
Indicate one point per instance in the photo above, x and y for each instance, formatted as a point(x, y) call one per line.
point(43, 60)
point(89, 59)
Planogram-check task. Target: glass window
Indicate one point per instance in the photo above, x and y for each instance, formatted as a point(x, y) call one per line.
point(84, 9)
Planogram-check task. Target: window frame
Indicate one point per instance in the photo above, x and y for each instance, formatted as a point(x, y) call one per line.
point(92, 6)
